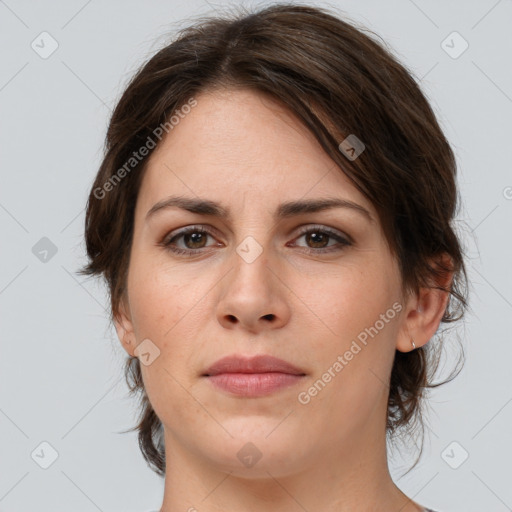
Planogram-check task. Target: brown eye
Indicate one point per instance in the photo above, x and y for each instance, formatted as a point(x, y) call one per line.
point(318, 238)
point(193, 238)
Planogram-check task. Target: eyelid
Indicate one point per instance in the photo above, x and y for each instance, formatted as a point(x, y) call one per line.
point(328, 230)
point(304, 228)
point(199, 228)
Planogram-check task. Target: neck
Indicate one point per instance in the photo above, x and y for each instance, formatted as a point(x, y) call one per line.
point(353, 478)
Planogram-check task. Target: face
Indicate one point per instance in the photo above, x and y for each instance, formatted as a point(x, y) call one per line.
point(317, 289)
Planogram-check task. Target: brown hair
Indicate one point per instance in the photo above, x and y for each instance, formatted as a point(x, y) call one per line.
point(338, 81)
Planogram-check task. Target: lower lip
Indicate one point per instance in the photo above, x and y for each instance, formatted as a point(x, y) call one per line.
point(253, 384)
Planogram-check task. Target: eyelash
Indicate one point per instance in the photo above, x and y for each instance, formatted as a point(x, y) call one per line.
point(167, 243)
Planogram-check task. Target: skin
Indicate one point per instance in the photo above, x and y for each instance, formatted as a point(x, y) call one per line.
point(242, 149)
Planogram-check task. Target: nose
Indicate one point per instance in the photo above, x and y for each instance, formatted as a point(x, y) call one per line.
point(253, 296)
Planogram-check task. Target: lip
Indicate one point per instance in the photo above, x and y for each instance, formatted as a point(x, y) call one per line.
point(253, 376)
point(255, 364)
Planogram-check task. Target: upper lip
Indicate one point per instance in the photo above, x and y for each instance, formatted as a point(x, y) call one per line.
point(256, 364)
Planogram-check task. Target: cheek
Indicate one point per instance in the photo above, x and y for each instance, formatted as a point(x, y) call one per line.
point(352, 306)
point(355, 319)
point(160, 303)
point(169, 307)
point(160, 297)
point(343, 302)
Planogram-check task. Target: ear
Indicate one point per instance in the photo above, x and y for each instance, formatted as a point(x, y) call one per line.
point(124, 327)
point(424, 311)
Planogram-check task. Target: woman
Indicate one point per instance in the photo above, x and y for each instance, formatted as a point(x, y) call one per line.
point(273, 219)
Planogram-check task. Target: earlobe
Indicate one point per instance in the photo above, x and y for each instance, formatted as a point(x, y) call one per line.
point(424, 313)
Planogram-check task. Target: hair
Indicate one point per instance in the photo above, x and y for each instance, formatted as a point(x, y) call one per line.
point(338, 81)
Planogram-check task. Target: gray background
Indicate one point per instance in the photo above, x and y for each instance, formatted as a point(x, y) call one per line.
point(60, 365)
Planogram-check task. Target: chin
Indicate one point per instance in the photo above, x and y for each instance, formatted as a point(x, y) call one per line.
point(256, 451)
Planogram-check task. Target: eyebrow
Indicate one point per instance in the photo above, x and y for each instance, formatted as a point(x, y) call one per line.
point(285, 210)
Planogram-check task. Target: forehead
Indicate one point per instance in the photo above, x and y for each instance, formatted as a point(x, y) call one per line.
point(240, 144)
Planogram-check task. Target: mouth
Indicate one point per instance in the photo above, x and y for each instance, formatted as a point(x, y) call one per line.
point(253, 376)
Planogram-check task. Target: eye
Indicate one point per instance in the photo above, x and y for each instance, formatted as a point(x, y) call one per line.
point(319, 237)
point(194, 238)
